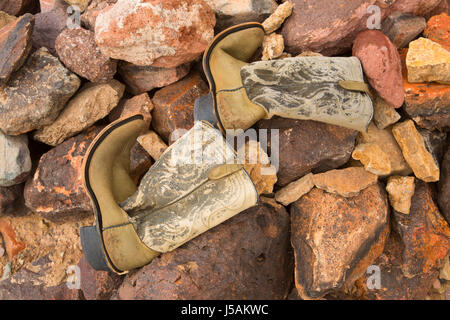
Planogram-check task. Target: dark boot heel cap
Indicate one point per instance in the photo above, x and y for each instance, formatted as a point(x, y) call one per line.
point(92, 248)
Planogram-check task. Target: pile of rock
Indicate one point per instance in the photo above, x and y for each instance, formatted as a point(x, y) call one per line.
point(377, 200)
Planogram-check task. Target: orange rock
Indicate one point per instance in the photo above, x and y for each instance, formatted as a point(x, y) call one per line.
point(428, 104)
point(438, 30)
point(153, 144)
point(346, 182)
point(13, 246)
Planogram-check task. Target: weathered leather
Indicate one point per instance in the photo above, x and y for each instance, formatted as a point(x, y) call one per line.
point(324, 89)
point(189, 190)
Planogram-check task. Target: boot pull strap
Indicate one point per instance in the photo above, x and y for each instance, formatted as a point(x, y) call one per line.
point(224, 170)
point(354, 86)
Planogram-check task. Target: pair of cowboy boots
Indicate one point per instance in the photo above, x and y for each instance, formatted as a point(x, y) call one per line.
point(196, 184)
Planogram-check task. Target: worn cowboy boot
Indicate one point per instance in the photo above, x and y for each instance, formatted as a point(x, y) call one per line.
point(330, 90)
point(191, 188)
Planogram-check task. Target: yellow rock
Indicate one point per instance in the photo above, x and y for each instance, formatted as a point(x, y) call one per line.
point(257, 165)
point(384, 115)
point(346, 182)
point(6, 19)
point(277, 18)
point(273, 46)
point(374, 159)
point(153, 144)
point(427, 61)
point(295, 190)
point(400, 190)
point(386, 141)
point(415, 152)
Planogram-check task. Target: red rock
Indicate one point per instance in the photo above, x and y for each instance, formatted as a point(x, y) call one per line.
point(381, 64)
point(444, 187)
point(306, 146)
point(428, 104)
point(335, 239)
point(402, 28)
point(246, 257)
point(325, 26)
point(49, 5)
point(438, 30)
point(174, 105)
point(74, 45)
point(12, 245)
point(18, 7)
point(56, 191)
point(140, 79)
point(47, 27)
point(10, 198)
point(416, 7)
point(154, 32)
point(97, 285)
point(15, 45)
point(443, 7)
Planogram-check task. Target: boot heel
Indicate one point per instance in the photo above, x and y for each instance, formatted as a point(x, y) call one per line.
point(92, 248)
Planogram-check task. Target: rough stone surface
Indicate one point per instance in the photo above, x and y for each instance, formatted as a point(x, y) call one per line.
point(6, 19)
point(401, 28)
point(400, 190)
point(47, 27)
point(415, 152)
point(82, 4)
point(438, 30)
point(324, 26)
point(335, 238)
point(15, 45)
point(36, 94)
point(40, 270)
point(424, 232)
point(49, 5)
point(382, 65)
point(140, 104)
point(56, 191)
point(308, 146)
point(444, 187)
point(153, 144)
point(17, 7)
point(174, 105)
point(415, 7)
point(277, 18)
point(232, 12)
point(435, 142)
point(384, 115)
point(374, 159)
point(140, 162)
point(295, 190)
point(427, 61)
point(428, 104)
point(91, 13)
point(92, 103)
point(160, 33)
point(346, 182)
point(386, 142)
point(97, 285)
point(273, 46)
point(444, 274)
point(10, 199)
point(75, 45)
point(15, 161)
point(258, 241)
point(394, 285)
point(257, 164)
point(140, 79)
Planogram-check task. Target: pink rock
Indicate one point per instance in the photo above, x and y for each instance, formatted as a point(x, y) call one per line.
point(382, 65)
point(155, 32)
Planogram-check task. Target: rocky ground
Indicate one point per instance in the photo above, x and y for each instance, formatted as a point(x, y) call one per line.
point(348, 215)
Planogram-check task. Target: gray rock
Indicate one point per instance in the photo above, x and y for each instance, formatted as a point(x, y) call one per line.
point(36, 94)
point(15, 161)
